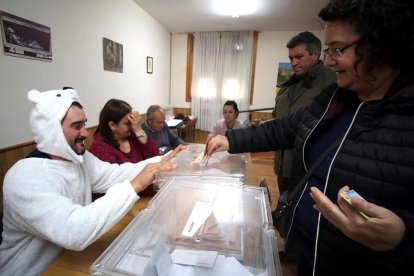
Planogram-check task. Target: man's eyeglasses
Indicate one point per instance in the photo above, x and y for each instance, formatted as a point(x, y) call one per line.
point(338, 52)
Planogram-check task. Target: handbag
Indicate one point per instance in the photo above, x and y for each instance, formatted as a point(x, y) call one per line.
point(281, 219)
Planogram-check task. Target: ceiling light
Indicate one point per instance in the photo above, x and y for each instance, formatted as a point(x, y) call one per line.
point(235, 8)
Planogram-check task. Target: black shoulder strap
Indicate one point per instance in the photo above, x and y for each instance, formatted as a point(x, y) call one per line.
point(292, 194)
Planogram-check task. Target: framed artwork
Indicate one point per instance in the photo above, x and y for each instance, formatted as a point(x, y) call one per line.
point(112, 55)
point(149, 65)
point(25, 38)
point(284, 73)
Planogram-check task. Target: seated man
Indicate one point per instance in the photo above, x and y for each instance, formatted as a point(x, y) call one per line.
point(47, 196)
point(156, 128)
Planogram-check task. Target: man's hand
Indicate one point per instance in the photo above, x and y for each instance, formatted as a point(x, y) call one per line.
point(171, 154)
point(147, 175)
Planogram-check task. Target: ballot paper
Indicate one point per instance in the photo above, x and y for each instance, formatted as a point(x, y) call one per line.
point(194, 257)
point(223, 266)
point(220, 265)
point(198, 216)
point(133, 263)
point(174, 122)
point(213, 226)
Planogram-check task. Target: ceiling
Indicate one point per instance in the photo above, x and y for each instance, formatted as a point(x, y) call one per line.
point(183, 16)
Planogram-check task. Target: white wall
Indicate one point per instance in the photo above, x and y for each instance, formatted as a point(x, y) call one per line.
point(77, 28)
point(271, 50)
point(178, 70)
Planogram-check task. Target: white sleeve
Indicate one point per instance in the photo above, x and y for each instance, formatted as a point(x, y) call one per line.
point(49, 202)
point(104, 175)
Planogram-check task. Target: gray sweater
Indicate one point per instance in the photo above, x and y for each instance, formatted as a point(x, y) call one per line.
point(165, 138)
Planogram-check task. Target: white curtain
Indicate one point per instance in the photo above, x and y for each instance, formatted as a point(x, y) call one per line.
point(222, 68)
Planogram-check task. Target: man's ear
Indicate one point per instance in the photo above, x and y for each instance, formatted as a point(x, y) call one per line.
point(316, 54)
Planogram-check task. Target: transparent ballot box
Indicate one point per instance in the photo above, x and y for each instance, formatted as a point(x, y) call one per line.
point(197, 229)
point(220, 164)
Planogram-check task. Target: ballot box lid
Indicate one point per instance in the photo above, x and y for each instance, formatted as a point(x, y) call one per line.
point(220, 164)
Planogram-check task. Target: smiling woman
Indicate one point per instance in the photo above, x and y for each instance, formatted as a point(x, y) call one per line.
point(371, 110)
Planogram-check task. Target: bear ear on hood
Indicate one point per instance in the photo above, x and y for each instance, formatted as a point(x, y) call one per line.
point(34, 96)
point(48, 110)
point(53, 103)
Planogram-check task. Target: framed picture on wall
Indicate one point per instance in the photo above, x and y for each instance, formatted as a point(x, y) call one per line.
point(149, 65)
point(25, 38)
point(112, 55)
point(284, 73)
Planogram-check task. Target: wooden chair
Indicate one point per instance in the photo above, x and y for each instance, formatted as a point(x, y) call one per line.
point(187, 130)
point(192, 128)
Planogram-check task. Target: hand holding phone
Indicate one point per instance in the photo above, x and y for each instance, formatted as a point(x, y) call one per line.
point(353, 194)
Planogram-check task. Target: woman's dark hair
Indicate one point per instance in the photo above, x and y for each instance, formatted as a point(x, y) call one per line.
point(385, 27)
point(113, 111)
point(234, 105)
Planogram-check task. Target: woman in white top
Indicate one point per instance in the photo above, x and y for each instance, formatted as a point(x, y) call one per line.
point(230, 121)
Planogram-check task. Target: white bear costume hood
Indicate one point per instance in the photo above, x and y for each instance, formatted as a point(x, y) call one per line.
point(45, 121)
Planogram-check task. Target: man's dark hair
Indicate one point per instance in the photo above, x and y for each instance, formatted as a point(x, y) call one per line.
point(73, 104)
point(309, 39)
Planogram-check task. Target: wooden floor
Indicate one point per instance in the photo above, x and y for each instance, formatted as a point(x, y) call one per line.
point(264, 162)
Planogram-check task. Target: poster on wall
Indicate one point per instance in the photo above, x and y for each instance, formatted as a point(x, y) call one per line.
point(284, 72)
point(112, 55)
point(25, 38)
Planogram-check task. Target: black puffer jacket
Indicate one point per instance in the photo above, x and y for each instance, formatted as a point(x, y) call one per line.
point(376, 158)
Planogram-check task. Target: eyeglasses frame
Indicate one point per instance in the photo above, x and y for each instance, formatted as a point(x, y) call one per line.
point(338, 52)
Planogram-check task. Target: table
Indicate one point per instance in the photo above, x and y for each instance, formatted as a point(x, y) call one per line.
point(174, 123)
point(78, 262)
point(185, 129)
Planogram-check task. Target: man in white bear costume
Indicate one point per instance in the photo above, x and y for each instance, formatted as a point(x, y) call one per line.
point(47, 196)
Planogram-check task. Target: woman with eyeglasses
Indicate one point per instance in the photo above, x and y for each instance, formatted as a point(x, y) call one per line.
point(370, 46)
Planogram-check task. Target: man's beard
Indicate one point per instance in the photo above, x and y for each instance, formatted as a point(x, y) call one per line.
point(81, 142)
